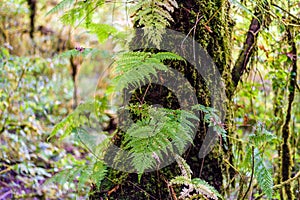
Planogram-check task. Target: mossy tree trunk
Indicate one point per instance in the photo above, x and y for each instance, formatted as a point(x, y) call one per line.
point(211, 28)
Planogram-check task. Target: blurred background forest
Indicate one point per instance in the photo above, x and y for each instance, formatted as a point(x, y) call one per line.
point(42, 82)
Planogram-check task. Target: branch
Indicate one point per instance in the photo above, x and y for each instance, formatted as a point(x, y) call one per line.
point(290, 14)
point(248, 47)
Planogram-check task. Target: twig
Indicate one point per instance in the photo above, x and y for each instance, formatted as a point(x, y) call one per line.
point(275, 187)
point(226, 161)
point(290, 14)
point(171, 190)
point(146, 92)
point(194, 27)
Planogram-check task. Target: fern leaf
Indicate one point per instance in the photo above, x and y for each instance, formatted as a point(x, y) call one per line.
point(103, 31)
point(262, 174)
point(135, 68)
point(83, 173)
point(73, 15)
point(154, 16)
point(72, 121)
point(200, 187)
point(60, 177)
point(154, 135)
point(167, 56)
point(99, 173)
point(61, 6)
point(83, 178)
point(261, 136)
point(184, 167)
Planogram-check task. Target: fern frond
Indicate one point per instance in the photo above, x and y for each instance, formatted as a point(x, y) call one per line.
point(72, 16)
point(162, 56)
point(261, 136)
point(94, 172)
point(103, 31)
point(99, 172)
point(159, 132)
point(135, 68)
point(74, 120)
point(154, 16)
point(262, 174)
point(61, 6)
point(184, 167)
point(169, 5)
point(195, 186)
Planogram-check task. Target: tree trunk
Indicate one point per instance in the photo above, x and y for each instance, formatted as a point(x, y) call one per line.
point(207, 22)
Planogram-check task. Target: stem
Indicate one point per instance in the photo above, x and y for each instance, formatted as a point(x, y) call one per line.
point(252, 173)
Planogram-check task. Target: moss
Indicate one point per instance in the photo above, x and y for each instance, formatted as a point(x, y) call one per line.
point(213, 34)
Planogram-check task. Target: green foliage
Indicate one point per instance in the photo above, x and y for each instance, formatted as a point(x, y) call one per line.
point(212, 118)
point(79, 117)
point(261, 136)
point(153, 16)
point(262, 174)
point(82, 12)
point(135, 68)
point(160, 131)
point(194, 188)
point(103, 31)
point(83, 174)
point(61, 6)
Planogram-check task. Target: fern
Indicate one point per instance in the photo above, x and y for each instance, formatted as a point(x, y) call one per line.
point(193, 187)
point(159, 132)
point(80, 11)
point(261, 136)
point(196, 186)
point(103, 31)
point(61, 6)
point(212, 118)
point(78, 117)
point(262, 174)
point(154, 16)
point(83, 173)
point(184, 167)
point(135, 68)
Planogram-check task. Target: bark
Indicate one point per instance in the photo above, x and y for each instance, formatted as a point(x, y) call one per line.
point(286, 155)
point(213, 33)
point(32, 6)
